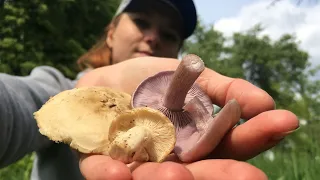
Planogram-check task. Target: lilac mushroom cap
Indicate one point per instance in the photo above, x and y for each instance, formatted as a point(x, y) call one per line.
point(151, 92)
point(176, 94)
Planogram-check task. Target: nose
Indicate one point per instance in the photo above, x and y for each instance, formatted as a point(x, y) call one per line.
point(151, 36)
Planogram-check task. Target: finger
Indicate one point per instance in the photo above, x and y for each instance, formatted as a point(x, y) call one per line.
point(257, 135)
point(225, 169)
point(162, 171)
point(221, 89)
point(99, 167)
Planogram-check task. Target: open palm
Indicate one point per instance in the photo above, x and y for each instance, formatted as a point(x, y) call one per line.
point(264, 129)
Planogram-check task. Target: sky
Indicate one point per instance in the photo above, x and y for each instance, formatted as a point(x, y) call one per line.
point(284, 17)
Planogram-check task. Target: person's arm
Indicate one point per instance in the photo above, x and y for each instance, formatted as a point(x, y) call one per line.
point(20, 97)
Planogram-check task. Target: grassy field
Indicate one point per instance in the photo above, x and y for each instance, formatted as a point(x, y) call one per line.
point(296, 158)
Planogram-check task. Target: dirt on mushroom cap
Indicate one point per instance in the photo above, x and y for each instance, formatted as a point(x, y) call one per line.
point(81, 117)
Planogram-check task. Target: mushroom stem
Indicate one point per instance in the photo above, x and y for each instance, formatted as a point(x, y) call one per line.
point(129, 146)
point(184, 77)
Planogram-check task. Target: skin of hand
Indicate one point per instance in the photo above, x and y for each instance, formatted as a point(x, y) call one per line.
point(265, 127)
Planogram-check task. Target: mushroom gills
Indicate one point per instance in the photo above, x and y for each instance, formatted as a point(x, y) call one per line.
point(177, 95)
point(151, 91)
point(200, 137)
point(100, 120)
point(131, 145)
point(141, 134)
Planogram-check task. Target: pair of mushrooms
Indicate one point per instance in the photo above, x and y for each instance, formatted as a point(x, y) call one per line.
point(168, 112)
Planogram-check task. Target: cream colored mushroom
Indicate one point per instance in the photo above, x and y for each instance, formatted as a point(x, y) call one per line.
point(82, 117)
point(141, 134)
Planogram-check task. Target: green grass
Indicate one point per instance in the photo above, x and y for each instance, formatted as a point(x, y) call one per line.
point(296, 158)
point(289, 165)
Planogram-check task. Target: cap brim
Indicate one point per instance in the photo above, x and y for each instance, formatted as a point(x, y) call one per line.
point(185, 10)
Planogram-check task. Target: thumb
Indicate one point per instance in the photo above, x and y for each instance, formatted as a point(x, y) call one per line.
point(100, 167)
point(127, 75)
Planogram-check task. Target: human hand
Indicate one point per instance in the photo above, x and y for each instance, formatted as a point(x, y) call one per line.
point(265, 126)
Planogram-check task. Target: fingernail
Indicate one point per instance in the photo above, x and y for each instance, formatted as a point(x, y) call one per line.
point(232, 101)
point(284, 134)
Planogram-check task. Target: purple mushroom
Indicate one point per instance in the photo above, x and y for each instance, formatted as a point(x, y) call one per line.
point(176, 94)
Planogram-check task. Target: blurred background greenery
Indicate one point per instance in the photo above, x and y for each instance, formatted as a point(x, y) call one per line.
point(56, 33)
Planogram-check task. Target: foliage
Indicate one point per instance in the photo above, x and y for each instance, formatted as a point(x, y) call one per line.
point(20, 170)
point(278, 67)
point(283, 70)
point(46, 32)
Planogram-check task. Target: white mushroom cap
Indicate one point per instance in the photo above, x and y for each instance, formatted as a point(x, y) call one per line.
point(81, 117)
point(141, 134)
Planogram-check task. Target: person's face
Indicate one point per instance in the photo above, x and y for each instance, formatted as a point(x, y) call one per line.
point(142, 34)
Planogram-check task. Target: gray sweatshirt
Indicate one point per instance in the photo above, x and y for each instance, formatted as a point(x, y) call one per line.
point(20, 97)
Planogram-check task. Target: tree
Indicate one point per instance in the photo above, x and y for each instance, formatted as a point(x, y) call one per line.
point(49, 32)
point(282, 69)
point(206, 43)
point(278, 67)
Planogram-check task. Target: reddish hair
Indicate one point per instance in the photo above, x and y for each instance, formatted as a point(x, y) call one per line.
point(100, 54)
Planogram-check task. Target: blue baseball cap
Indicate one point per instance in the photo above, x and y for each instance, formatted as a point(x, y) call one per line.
point(185, 8)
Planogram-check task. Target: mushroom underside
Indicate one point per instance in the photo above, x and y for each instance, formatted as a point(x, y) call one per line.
point(197, 131)
point(150, 93)
point(142, 134)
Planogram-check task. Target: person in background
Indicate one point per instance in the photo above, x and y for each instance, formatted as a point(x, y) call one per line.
point(144, 37)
